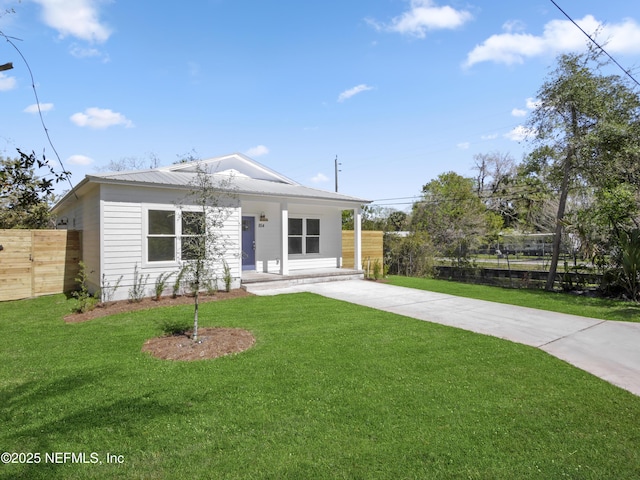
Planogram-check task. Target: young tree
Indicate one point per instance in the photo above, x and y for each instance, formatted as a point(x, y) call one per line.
point(204, 244)
point(584, 127)
point(24, 196)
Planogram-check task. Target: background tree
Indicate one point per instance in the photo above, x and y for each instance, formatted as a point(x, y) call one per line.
point(25, 197)
point(410, 255)
point(377, 218)
point(495, 183)
point(132, 163)
point(584, 125)
point(453, 215)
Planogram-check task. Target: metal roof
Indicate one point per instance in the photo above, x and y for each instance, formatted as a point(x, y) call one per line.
point(237, 184)
point(238, 177)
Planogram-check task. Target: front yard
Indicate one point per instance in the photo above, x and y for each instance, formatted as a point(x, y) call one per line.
point(329, 390)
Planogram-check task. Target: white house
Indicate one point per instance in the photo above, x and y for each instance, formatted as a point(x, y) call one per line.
point(272, 224)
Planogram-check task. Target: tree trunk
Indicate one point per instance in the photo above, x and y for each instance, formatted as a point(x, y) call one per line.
point(195, 315)
point(564, 193)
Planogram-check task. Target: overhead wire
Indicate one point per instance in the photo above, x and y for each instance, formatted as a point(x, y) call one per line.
point(65, 173)
point(596, 44)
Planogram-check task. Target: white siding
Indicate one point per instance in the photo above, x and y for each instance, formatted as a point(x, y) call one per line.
point(124, 239)
point(84, 214)
point(90, 226)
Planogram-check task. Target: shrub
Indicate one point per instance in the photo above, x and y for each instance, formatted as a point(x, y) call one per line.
point(178, 283)
point(161, 283)
point(377, 269)
point(175, 326)
point(108, 290)
point(85, 302)
point(136, 292)
point(227, 276)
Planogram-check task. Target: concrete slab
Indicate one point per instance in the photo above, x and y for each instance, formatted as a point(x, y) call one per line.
point(609, 350)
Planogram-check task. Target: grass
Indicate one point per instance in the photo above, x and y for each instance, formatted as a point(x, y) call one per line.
point(602, 308)
point(330, 390)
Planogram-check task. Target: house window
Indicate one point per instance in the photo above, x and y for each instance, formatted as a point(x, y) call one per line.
point(304, 236)
point(192, 239)
point(161, 239)
point(168, 233)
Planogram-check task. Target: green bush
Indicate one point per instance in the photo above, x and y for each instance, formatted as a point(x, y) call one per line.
point(161, 283)
point(377, 270)
point(175, 326)
point(85, 302)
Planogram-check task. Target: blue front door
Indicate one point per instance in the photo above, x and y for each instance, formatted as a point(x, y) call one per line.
point(248, 243)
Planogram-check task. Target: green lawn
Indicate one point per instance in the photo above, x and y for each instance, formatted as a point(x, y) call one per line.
point(330, 390)
point(605, 309)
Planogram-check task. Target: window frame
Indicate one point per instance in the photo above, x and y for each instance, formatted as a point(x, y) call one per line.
point(177, 235)
point(147, 235)
point(304, 236)
point(190, 235)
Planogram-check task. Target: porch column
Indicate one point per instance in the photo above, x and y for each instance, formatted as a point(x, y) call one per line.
point(284, 239)
point(357, 238)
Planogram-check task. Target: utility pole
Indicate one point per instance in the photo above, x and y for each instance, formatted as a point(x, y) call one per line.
point(6, 66)
point(336, 168)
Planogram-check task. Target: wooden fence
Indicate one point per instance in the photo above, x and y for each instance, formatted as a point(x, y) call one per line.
point(371, 248)
point(38, 262)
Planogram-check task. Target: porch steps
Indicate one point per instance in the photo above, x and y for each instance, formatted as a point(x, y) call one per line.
point(267, 281)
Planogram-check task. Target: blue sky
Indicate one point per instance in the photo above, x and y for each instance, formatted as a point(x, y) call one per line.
point(399, 90)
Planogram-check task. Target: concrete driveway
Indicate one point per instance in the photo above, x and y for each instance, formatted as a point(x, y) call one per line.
point(609, 350)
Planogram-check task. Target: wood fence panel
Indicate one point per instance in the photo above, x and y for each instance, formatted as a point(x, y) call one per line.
point(56, 254)
point(15, 264)
point(38, 262)
point(371, 248)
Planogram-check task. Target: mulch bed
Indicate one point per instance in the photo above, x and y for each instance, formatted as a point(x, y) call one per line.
point(121, 306)
point(212, 342)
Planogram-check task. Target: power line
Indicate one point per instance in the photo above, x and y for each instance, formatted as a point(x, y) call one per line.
point(65, 173)
point(596, 44)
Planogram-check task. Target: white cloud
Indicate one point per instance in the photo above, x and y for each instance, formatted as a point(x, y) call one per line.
point(463, 145)
point(353, 91)
point(423, 16)
point(44, 107)
point(319, 178)
point(79, 160)
point(532, 103)
point(558, 36)
point(491, 136)
point(520, 133)
point(99, 118)
point(257, 151)
point(77, 18)
point(82, 52)
point(7, 82)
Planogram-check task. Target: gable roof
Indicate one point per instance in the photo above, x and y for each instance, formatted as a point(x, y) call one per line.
point(247, 177)
point(237, 163)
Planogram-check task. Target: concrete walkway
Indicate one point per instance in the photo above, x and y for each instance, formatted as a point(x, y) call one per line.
point(607, 349)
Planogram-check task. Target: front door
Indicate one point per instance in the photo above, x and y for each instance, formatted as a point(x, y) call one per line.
point(248, 243)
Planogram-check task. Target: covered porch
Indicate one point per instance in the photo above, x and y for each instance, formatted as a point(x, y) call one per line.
point(293, 240)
